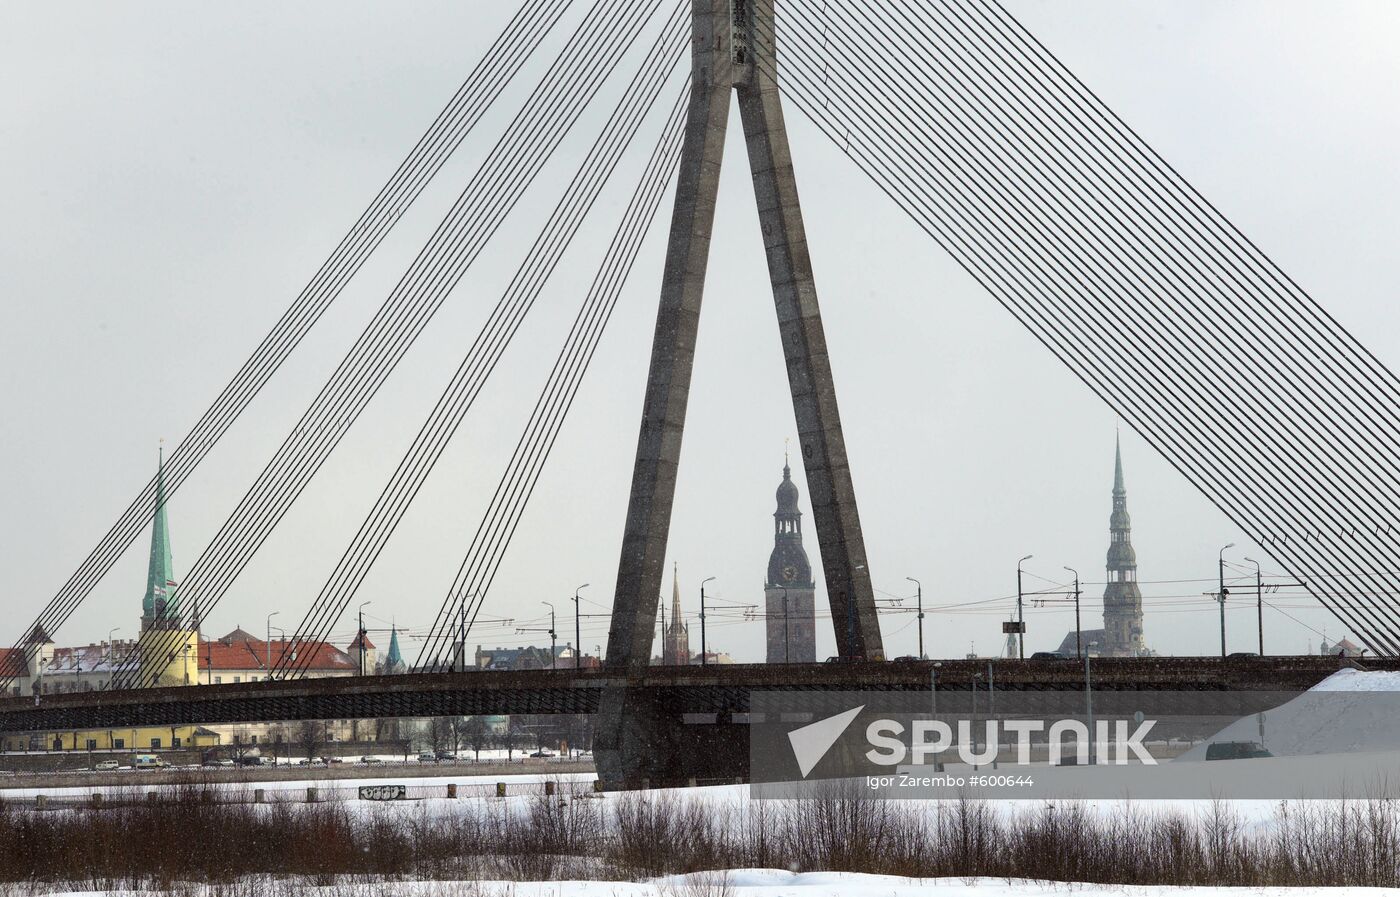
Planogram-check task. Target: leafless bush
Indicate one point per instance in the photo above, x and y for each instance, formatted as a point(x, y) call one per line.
point(181, 836)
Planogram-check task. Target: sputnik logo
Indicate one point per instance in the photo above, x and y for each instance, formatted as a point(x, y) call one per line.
point(811, 742)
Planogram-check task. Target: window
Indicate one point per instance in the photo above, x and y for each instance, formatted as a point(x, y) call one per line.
point(118, 743)
point(155, 744)
point(175, 741)
point(237, 678)
point(57, 743)
point(253, 739)
point(92, 744)
point(218, 680)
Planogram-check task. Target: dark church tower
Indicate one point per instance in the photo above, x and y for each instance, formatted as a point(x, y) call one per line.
point(1122, 599)
point(790, 593)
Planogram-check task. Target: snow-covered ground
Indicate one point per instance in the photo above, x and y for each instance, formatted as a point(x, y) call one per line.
point(779, 883)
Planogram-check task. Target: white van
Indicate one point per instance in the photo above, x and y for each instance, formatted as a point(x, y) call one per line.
point(147, 761)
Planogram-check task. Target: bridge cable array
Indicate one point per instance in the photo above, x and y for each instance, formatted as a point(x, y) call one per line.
point(496, 334)
point(503, 60)
point(493, 536)
point(1086, 236)
point(577, 73)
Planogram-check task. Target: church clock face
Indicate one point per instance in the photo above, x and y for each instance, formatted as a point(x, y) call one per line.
point(789, 573)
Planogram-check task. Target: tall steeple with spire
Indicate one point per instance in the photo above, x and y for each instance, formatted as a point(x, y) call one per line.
point(160, 606)
point(789, 592)
point(1122, 599)
point(675, 642)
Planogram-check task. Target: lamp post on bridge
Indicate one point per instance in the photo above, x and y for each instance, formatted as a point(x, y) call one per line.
point(1020, 612)
point(703, 658)
point(578, 631)
point(920, 587)
point(1220, 596)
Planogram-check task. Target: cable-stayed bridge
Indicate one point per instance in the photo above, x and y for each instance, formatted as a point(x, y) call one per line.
point(974, 129)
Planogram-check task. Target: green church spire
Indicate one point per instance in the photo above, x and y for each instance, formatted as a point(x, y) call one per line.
point(394, 662)
point(160, 602)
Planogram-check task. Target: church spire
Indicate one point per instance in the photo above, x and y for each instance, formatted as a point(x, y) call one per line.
point(676, 593)
point(1118, 488)
point(159, 602)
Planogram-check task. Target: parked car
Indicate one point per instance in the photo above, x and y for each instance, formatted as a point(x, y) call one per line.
point(370, 760)
point(542, 755)
point(1236, 750)
point(106, 765)
point(446, 755)
point(427, 757)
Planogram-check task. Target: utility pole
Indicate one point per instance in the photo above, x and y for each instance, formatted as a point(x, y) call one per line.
point(786, 657)
point(1259, 600)
point(703, 658)
point(268, 667)
point(1078, 638)
point(920, 587)
point(1020, 611)
point(1089, 702)
point(362, 637)
point(578, 631)
point(553, 658)
point(1221, 596)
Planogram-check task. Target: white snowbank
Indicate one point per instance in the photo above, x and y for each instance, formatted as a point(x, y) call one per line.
point(780, 883)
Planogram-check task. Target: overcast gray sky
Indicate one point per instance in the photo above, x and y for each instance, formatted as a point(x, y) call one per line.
point(173, 173)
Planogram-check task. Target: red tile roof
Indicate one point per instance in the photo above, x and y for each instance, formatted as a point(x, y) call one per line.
point(252, 654)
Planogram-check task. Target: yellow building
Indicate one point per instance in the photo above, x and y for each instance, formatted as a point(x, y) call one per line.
point(139, 738)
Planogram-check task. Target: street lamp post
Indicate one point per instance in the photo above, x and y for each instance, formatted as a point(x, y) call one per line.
point(363, 605)
point(920, 587)
point(267, 670)
point(283, 633)
point(1089, 702)
point(703, 658)
point(1259, 600)
point(553, 658)
point(1078, 646)
point(1221, 596)
point(578, 631)
point(1020, 611)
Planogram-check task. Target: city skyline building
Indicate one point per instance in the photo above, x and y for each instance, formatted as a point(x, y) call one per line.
point(789, 592)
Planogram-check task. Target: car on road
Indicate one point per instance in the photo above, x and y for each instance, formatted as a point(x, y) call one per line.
point(446, 755)
point(1236, 750)
point(106, 765)
point(148, 761)
point(427, 757)
point(370, 760)
point(542, 755)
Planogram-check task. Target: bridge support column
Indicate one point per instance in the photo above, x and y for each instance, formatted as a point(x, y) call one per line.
point(726, 35)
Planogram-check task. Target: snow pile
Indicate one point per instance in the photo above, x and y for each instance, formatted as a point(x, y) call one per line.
point(1350, 711)
point(778, 883)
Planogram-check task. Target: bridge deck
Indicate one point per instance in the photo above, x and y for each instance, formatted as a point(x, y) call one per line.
point(700, 690)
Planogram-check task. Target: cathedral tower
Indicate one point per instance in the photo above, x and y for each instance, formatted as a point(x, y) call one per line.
point(177, 660)
point(1122, 599)
point(675, 636)
point(789, 592)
